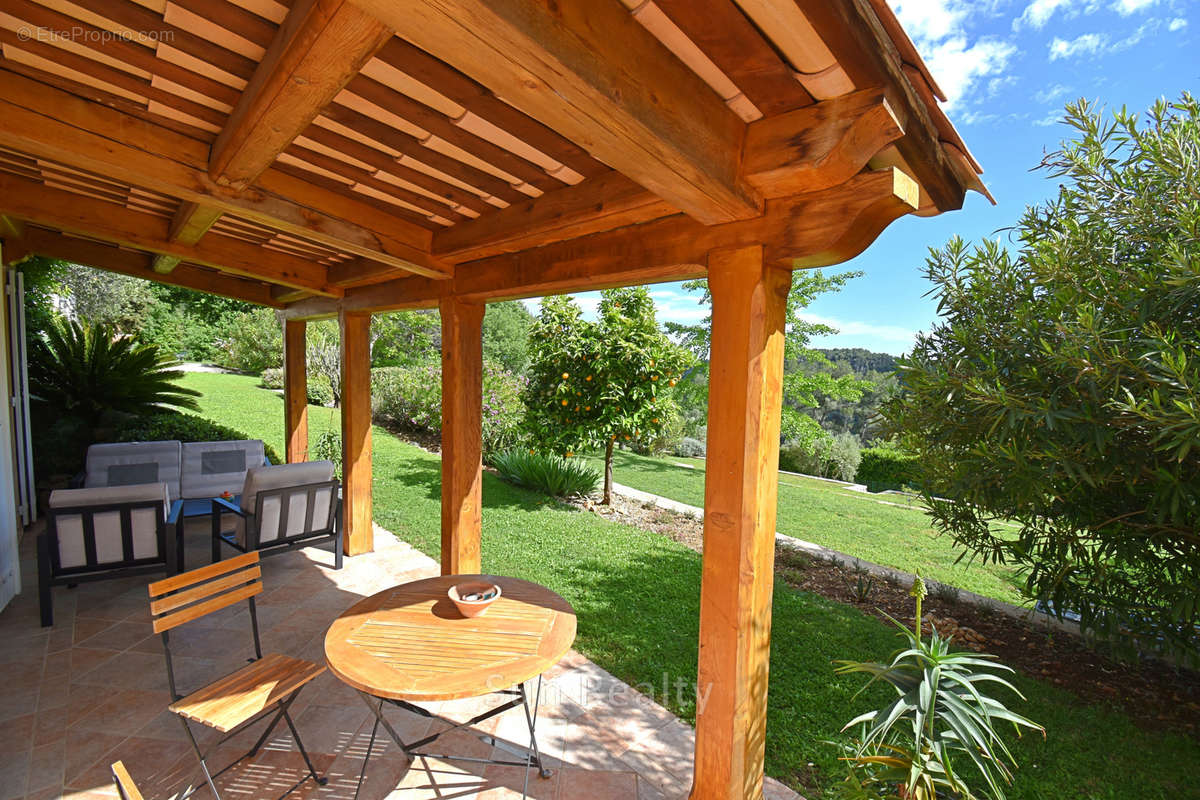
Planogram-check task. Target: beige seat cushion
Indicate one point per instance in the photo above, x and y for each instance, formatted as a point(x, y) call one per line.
point(107, 525)
point(281, 476)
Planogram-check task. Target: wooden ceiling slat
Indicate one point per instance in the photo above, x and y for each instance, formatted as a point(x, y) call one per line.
point(233, 18)
point(103, 98)
point(471, 95)
point(142, 19)
point(410, 146)
point(54, 66)
point(129, 52)
point(112, 76)
point(343, 189)
point(441, 127)
point(450, 195)
point(740, 51)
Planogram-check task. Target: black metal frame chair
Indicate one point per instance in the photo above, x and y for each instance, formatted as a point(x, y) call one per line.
point(330, 528)
point(186, 597)
point(51, 573)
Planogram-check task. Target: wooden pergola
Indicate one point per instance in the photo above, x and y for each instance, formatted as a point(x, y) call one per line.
point(339, 158)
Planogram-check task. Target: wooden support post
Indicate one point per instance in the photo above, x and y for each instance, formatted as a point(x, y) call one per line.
point(749, 310)
point(295, 390)
point(356, 433)
point(462, 435)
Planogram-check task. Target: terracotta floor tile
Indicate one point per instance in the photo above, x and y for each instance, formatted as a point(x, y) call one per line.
point(128, 670)
point(146, 760)
point(507, 783)
point(16, 735)
point(46, 765)
point(596, 785)
point(85, 748)
point(14, 772)
point(50, 724)
point(120, 636)
point(125, 712)
point(86, 659)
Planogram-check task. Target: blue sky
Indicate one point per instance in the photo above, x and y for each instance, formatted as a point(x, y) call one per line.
point(1007, 67)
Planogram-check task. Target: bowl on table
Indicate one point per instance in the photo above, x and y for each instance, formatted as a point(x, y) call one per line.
point(472, 598)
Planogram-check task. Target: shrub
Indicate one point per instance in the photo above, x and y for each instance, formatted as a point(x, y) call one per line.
point(272, 378)
point(411, 398)
point(167, 425)
point(827, 456)
point(328, 447)
point(553, 475)
point(690, 448)
point(320, 393)
point(253, 341)
point(886, 467)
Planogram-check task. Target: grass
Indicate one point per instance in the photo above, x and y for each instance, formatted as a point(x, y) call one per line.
point(637, 599)
point(894, 533)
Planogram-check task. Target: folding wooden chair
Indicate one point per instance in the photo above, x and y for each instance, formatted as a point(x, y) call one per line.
point(268, 684)
point(126, 789)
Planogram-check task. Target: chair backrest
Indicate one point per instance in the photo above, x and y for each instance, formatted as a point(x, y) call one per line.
point(126, 789)
point(289, 500)
point(129, 463)
point(211, 468)
point(106, 527)
point(190, 595)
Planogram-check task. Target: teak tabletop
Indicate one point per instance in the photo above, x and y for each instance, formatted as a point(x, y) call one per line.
point(411, 643)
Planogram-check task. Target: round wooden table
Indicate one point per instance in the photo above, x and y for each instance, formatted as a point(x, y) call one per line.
point(410, 643)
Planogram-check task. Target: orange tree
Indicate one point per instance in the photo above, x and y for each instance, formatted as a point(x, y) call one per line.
point(594, 384)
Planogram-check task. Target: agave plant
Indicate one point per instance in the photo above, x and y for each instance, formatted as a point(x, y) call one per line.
point(940, 732)
point(84, 370)
point(554, 475)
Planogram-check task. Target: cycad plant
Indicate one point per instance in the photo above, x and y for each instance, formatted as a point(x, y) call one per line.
point(84, 370)
point(938, 736)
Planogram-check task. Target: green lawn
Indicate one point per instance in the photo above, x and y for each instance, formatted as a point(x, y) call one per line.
point(894, 533)
point(637, 597)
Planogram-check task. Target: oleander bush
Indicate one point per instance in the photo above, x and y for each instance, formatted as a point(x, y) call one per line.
point(553, 475)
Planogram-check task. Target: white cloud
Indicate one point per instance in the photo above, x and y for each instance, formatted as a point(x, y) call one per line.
point(893, 339)
point(1039, 12)
point(1052, 94)
point(1086, 44)
point(1127, 7)
point(1177, 24)
point(957, 59)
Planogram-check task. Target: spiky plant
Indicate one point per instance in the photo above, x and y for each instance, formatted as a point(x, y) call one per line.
point(939, 735)
point(84, 370)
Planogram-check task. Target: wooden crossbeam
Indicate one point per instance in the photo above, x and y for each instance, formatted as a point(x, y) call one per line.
point(52, 244)
point(320, 46)
point(570, 65)
point(800, 151)
point(74, 213)
point(811, 230)
point(11, 228)
point(191, 221)
point(49, 123)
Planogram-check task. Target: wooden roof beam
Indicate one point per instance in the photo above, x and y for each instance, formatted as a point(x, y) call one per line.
point(811, 230)
point(52, 124)
point(800, 151)
point(590, 72)
point(52, 244)
point(320, 46)
point(191, 221)
point(66, 211)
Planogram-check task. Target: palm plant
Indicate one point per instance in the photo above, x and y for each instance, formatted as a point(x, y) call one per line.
point(83, 370)
point(941, 719)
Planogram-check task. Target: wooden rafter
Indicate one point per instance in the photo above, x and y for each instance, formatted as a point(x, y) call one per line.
point(565, 65)
point(812, 230)
point(320, 46)
point(805, 150)
point(137, 264)
point(191, 221)
point(51, 124)
point(67, 211)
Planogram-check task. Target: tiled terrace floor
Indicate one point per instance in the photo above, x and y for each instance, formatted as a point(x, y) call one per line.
point(92, 690)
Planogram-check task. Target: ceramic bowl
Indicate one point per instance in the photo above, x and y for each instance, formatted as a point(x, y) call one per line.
point(467, 596)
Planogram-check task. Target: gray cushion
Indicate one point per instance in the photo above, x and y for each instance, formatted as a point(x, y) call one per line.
point(132, 463)
point(107, 525)
point(212, 468)
point(260, 479)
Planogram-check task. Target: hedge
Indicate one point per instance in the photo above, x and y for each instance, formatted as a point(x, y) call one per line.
point(883, 468)
point(168, 425)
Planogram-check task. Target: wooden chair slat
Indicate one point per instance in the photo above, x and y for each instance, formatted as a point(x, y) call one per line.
point(188, 596)
point(241, 695)
point(159, 588)
point(126, 789)
point(176, 618)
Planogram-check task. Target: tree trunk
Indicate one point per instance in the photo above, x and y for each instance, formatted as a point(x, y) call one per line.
point(608, 453)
